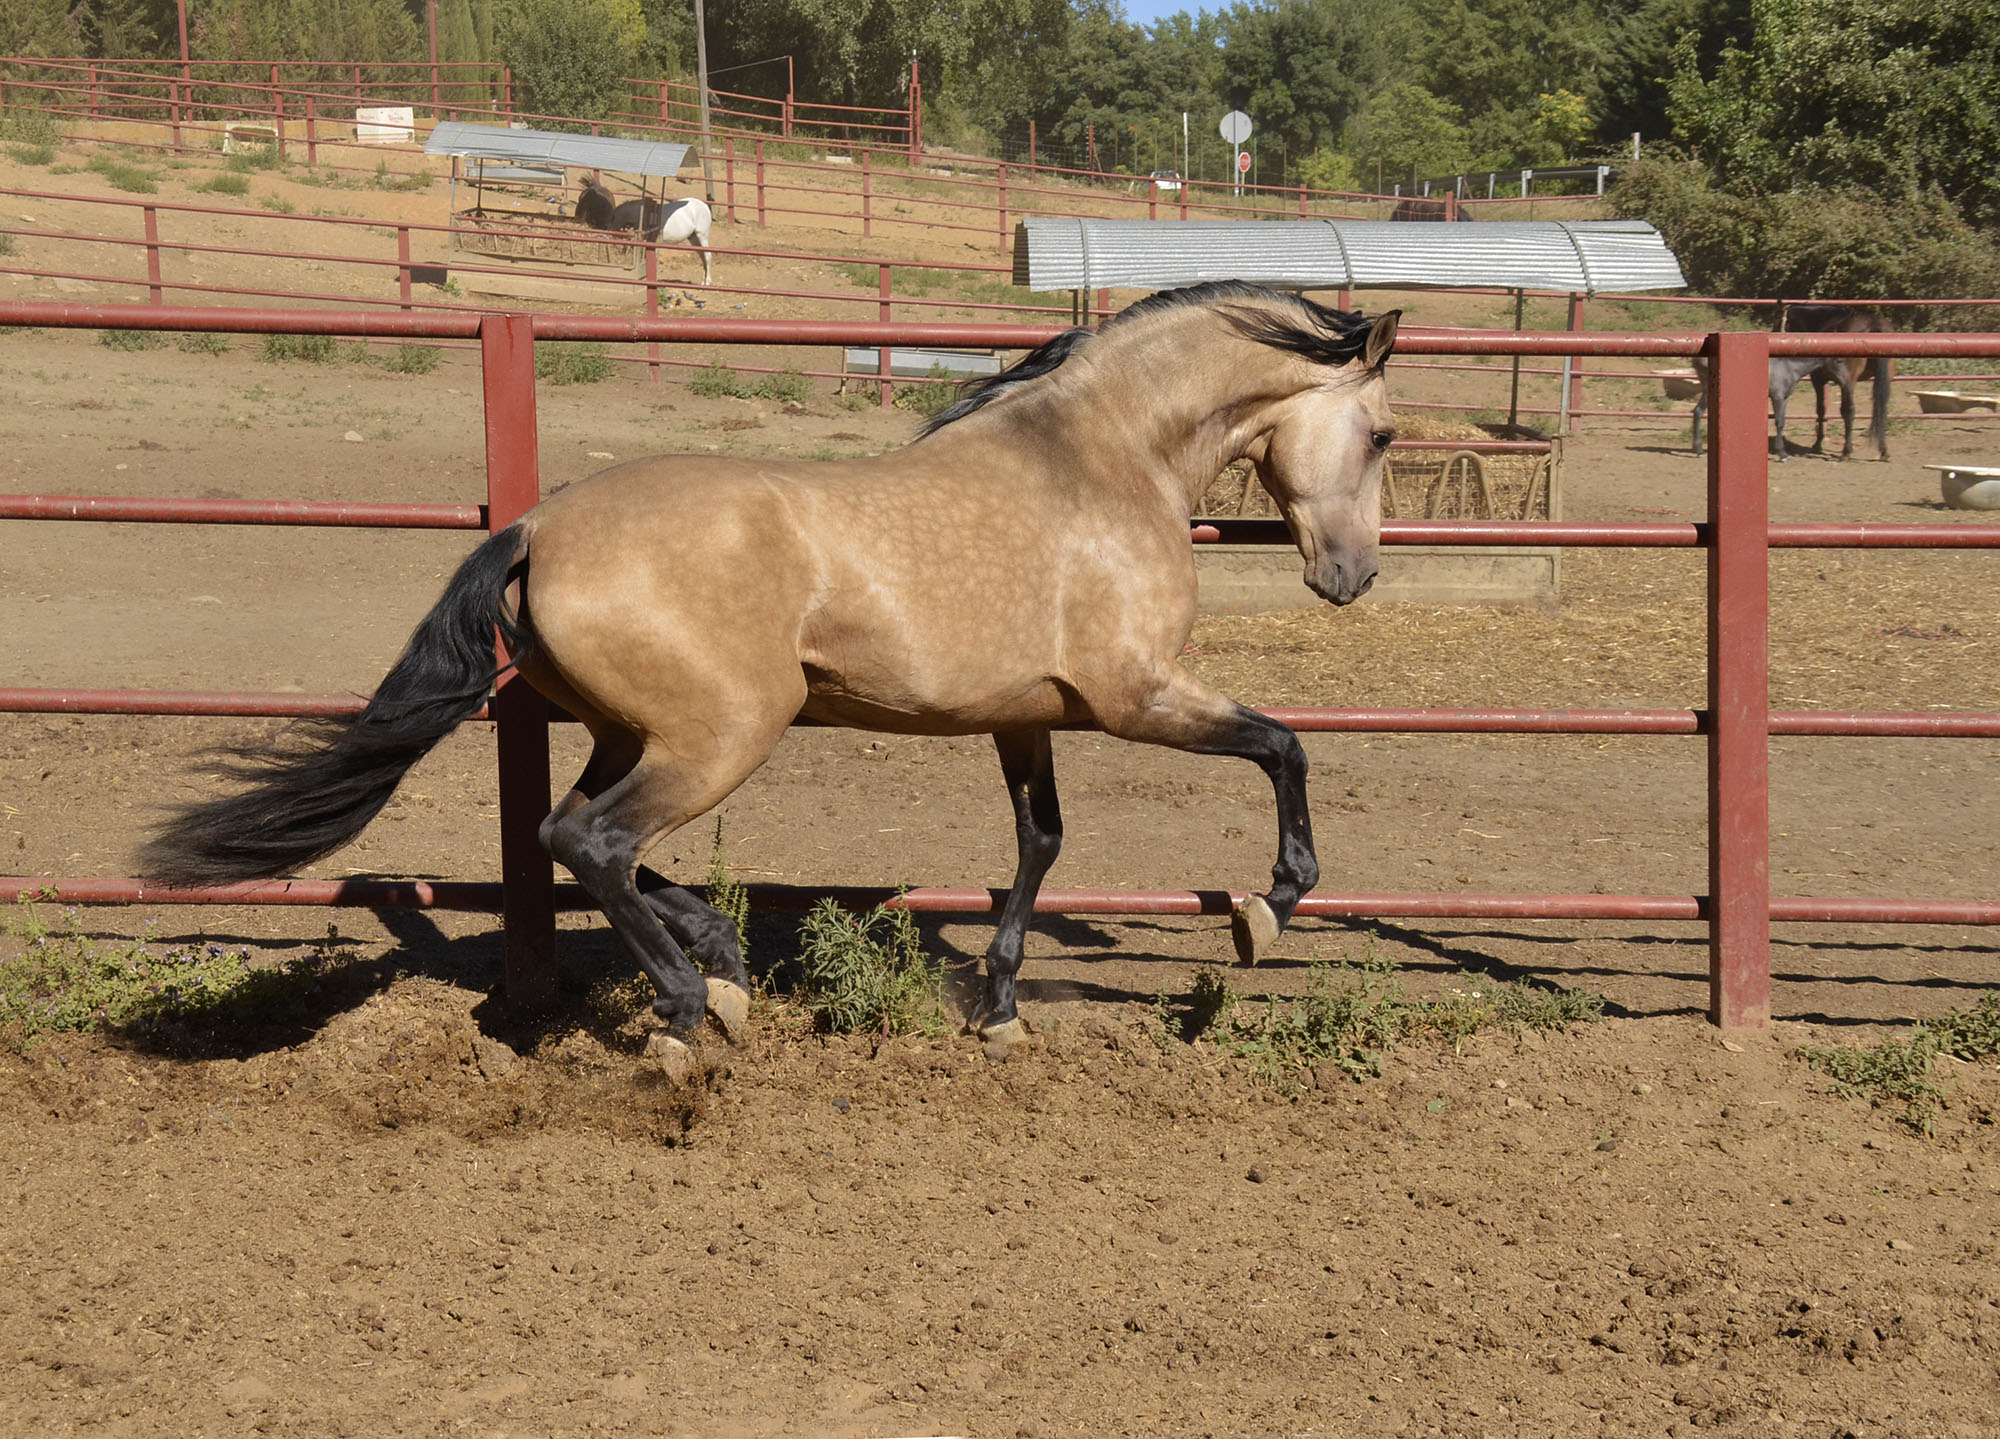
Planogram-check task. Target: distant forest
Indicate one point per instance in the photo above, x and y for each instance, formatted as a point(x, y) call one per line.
point(1811, 145)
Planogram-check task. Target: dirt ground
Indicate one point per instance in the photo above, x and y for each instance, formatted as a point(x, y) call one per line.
point(412, 1212)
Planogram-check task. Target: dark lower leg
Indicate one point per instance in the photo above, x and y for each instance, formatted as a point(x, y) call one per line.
point(704, 931)
point(1029, 767)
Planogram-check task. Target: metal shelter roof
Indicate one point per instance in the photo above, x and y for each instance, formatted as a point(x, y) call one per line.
point(1580, 257)
point(589, 152)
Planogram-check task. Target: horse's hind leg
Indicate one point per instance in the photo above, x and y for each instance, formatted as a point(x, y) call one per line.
point(1846, 412)
point(602, 838)
point(1029, 766)
point(1179, 711)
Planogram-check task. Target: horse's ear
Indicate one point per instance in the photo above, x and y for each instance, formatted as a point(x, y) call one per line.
point(1381, 340)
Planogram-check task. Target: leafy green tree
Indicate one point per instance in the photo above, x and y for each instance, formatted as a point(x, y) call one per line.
point(1896, 96)
point(1410, 134)
point(570, 57)
point(36, 27)
point(1639, 59)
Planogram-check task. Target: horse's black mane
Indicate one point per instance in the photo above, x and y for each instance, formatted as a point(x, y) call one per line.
point(1317, 332)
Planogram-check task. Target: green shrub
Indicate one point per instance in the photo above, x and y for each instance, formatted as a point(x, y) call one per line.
point(32, 154)
point(226, 183)
point(36, 129)
point(718, 382)
point(1350, 1016)
point(130, 339)
point(413, 359)
point(203, 342)
point(569, 362)
point(121, 176)
point(868, 973)
point(277, 204)
point(255, 157)
point(1904, 1071)
point(6, 244)
point(313, 349)
point(927, 400)
point(400, 183)
point(787, 387)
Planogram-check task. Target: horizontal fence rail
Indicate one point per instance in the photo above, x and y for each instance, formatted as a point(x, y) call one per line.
point(1736, 723)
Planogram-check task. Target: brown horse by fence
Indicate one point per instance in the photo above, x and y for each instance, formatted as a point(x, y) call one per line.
point(1024, 564)
point(1842, 370)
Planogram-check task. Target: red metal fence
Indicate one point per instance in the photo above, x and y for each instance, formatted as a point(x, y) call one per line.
point(1737, 722)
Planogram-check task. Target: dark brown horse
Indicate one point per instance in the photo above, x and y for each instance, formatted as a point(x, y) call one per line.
point(1024, 564)
point(1842, 370)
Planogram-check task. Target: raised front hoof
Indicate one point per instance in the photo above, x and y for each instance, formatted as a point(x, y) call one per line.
point(672, 1056)
point(1254, 929)
point(729, 1007)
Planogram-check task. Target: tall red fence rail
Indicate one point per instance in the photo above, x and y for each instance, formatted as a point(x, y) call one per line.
point(1736, 722)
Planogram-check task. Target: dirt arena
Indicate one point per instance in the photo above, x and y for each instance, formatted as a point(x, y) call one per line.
point(404, 1210)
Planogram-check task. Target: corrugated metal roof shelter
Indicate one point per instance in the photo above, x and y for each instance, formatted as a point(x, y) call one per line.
point(589, 152)
point(1580, 257)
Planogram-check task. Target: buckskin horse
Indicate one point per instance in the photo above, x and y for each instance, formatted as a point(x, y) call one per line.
point(1842, 370)
point(1025, 563)
point(674, 222)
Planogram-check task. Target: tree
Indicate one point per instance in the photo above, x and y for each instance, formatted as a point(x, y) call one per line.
point(569, 57)
point(1639, 59)
point(36, 27)
point(1895, 96)
point(1408, 133)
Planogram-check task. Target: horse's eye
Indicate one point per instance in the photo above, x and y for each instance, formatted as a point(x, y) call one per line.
point(1380, 438)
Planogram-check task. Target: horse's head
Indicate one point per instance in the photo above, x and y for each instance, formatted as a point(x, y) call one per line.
point(1320, 449)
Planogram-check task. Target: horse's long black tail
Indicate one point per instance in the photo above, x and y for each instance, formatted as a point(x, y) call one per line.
point(1878, 420)
point(316, 789)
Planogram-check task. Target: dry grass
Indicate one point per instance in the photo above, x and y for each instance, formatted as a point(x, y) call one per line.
point(1631, 631)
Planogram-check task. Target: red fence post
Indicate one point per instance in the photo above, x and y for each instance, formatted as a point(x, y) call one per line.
point(96, 100)
point(403, 264)
point(884, 357)
point(653, 308)
point(357, 87)
point(729, 176)
point(521, 716)
point(312, 132)
point(278, 111)
point(507, 91)
point(1575, 402)
point(174, 92)
point(1031, 151)
point(665, 122)
point(1003, 209)
point(1739, 690)
point(156, 292)
point(760, 184)
point(867, 184)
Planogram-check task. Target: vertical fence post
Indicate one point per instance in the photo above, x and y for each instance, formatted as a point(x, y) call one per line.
point(729, 176)
point(1003, 209)
point(1031, 152)
point(507, 91)
point(96, 99)
point(653, 309)
point(760, 184)
point(1152, 199)
point(357, 87)
point(1739, 691)
point(312, 132)
point(883, 357)
point(521, 716)
point(278, 111)
point(1302, 199)
point(403, 264)
point(156, 291)
point(174, 92)
point(1574, 400)
point(867, 185)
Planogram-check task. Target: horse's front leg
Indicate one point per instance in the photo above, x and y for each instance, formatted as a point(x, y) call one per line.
point(1029, 766)
point(1778, 403)
point(1846, 414)
point(1177, 710)
point(1819, 413)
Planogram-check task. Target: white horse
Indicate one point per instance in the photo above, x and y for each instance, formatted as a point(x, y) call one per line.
point(675, 222)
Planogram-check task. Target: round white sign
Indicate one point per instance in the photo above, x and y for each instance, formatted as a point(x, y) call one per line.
point(1235, 127)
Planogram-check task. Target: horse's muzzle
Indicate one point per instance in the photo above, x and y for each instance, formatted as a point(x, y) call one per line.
point(1340, 584)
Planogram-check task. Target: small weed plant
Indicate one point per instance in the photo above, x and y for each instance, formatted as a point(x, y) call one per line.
point(927, 399)
point(129, 339)
point(726, 894)
point(313, 349)
point(6, 244)
point(277, 205)
point(868, 973)
point(253, 158)
point(121, 176)
point(413, 359)
point(203, 342)
point(32, 154)
point(718, 382)
point(1350, 1016)
point(787, 387)
point(1905, 1071)
point(65, 981)
point(564, 362)
point(226, 183)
